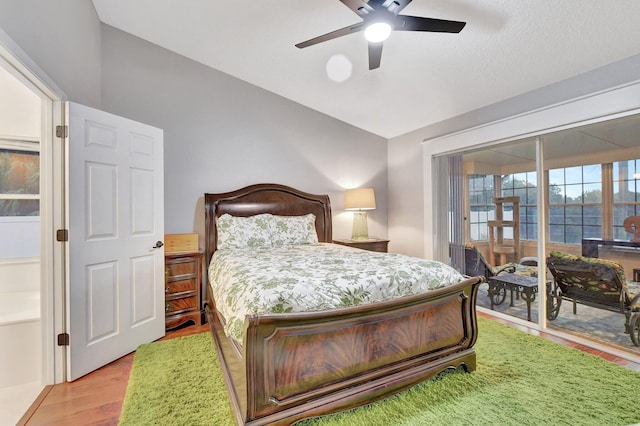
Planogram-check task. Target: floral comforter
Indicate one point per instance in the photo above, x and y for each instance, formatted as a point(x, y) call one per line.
point(316, 277)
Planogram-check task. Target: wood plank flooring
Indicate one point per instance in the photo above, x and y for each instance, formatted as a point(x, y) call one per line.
point(96, 399)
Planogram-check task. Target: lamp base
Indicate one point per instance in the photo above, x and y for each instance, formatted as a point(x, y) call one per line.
point(360, 231)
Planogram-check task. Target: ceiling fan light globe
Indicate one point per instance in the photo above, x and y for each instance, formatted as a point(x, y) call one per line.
point(377, 32)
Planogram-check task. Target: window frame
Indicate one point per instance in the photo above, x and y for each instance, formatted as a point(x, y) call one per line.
point(524, 206)
point(604, 188)
point(607, 204)
point(23, 145)
point(613, 203)
point(488, 206)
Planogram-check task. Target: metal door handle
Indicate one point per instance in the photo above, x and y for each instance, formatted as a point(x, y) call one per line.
point(158, 244)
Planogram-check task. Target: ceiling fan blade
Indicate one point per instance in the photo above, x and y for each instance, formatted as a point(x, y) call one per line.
point(359, 7)
point(364, 8)
point(396, 6)
point(333, 34)
point(417, 23)
point(375, 55)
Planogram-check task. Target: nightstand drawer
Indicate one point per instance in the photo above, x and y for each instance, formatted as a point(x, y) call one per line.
point(180, 305)
point(181, 286)
point(181, 267)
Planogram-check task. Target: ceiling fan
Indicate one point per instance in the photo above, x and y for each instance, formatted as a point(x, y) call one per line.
point(379, 18)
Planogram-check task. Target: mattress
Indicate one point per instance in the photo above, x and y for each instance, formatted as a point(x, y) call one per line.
point(314, 277)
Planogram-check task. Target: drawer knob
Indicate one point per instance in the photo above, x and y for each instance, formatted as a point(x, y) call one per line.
point(166, 289)
point(166, 308)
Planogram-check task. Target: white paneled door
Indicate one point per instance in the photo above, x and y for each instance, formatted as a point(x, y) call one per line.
point(115, 285)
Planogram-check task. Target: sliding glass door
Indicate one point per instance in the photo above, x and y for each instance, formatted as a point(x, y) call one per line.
point(593, 187)
point(504, 208)
point(492, 221)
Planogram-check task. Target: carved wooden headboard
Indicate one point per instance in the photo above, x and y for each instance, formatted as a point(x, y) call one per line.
point(265, 198)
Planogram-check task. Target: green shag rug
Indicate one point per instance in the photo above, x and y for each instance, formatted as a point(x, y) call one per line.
point(520, 379)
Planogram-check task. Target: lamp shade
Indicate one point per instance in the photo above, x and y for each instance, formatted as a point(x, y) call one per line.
point(359, 199)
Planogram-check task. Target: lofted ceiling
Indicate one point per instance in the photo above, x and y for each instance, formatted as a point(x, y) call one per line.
point(507, 48)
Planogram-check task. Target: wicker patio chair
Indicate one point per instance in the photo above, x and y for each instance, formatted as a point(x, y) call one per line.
point(597, 283)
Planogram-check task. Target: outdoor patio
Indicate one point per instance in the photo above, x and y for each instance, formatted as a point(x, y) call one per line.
point(599, 325)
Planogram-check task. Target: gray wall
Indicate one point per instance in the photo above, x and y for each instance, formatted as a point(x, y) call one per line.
point(222, 133)
point(63, 38)
point(406, 203)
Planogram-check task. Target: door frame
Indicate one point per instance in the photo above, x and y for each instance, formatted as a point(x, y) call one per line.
point(52, 204)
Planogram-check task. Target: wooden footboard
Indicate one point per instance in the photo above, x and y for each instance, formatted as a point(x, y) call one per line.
point(294, 366)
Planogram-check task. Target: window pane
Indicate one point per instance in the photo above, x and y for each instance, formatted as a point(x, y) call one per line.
point(592, 193)
point(19, 207)
point(474, 183)
point(532, 214)
point(574, 194)
point(592, 215)
point(481, 207)
point(522, 193)
point(620, 234)
point(556, 215)
point(556, 177)
point(624, 191)
point(573, 215)
point(521, 185)
point(620, 212)
point(556, 194)
point(473, 231)
point(623, 170)
point(573, 234)
point(592, 232)
point(532, 178)
point(592, 173)
point(507, 192)
point(19, 172)
point(626, 196)
point(556, 233)
point(506, 181)
point(573, 175)
point(519, 180)
point(532, 195)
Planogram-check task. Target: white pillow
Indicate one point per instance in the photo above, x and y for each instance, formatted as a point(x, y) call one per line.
point(242, 232)
point(293, 230)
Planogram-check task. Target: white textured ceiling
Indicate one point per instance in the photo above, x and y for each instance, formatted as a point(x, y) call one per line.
point(507, 48)
point(588, 144)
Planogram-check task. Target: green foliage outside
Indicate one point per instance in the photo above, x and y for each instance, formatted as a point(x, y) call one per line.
point(19, 174)
point(571, 217)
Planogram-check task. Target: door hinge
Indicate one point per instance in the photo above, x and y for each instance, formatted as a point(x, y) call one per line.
point(62, 235)
point(62, 131)
point(63, 339)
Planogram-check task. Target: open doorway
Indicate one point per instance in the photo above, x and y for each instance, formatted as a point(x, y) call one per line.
point(32, 209)
point(20, 231)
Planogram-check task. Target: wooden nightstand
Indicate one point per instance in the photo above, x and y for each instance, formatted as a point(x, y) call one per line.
point(182, 288)
point(372, 244)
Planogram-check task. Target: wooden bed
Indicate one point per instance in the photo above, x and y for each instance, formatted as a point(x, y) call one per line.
point(299, 365)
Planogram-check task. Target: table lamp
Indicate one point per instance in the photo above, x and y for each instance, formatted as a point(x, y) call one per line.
point(359, 200)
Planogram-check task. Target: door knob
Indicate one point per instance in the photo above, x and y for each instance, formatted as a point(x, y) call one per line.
point(158, 244)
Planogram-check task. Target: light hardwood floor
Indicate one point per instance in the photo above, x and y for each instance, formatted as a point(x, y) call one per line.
point(96, 399)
